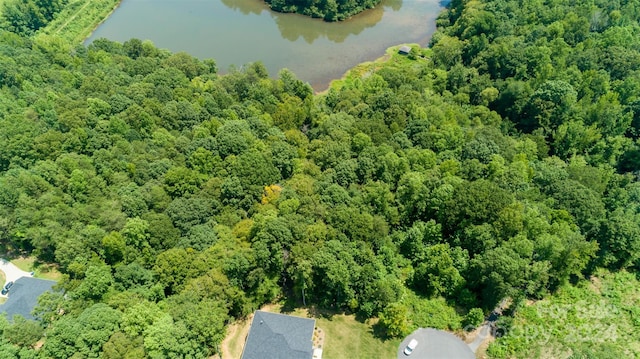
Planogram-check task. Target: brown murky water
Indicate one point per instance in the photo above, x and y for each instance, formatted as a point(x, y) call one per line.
point(236, 32)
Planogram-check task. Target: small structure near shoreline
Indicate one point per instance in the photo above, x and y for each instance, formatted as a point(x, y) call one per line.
point(404, 50)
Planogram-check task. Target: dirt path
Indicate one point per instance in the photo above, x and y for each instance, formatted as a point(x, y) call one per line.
point(72, 17)
point(479, 339)
point(231, 346)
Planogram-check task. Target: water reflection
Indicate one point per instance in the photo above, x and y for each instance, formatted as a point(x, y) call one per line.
point(395, 5)
point(247, 6)
point(236, 32)
point(294, 26)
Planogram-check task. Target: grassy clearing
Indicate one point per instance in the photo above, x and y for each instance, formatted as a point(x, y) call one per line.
point(345, 337)
point(78, 19)
point(595, 319)
point(365, 69)
point(30, 264)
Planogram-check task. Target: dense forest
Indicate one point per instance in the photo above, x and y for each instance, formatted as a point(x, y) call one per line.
point(26, 17)
point(329, 10)
point(502, 164)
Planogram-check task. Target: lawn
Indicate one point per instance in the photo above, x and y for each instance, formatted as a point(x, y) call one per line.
point(345, 337)
point(30, 264)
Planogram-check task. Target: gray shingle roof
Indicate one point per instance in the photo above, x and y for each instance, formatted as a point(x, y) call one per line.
point(279, 336)
point(23, 296)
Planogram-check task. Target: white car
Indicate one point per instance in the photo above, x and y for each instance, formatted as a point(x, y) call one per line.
point(412, 345)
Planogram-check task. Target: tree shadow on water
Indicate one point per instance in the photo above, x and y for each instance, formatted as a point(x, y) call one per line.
point(295, 26)
point(247, 6)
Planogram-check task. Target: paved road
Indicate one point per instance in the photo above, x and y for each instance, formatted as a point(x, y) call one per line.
point(483, 334)
point(486, 330)
point(11, 272)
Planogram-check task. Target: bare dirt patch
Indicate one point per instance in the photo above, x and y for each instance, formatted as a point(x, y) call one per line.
point(233, 343)
point(596, 284)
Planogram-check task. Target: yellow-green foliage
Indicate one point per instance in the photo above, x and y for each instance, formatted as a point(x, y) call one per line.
point(78, 19)
point(391, 59)
point(596, 319)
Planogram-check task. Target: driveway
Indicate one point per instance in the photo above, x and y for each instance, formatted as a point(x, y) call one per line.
point(487, 330)
point(434, 343)
point(483, 333)
point(11, 272)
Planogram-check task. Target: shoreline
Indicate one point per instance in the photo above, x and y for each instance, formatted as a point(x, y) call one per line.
point(94, 17)
point(104, 18)
point(366, 67)
point(319, 86)
point(378, 2)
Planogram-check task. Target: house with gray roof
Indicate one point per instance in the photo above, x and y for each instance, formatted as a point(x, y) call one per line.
point(279, 336)
point(23, 296)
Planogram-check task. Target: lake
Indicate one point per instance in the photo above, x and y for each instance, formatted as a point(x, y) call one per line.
point(236, 32)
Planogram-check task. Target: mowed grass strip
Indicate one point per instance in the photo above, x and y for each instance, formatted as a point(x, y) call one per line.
point(78, 19)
